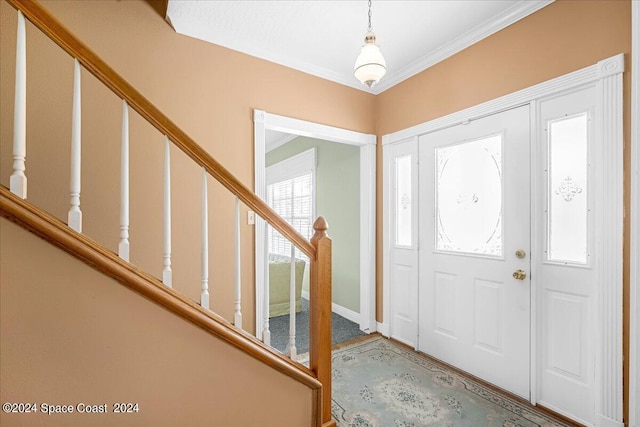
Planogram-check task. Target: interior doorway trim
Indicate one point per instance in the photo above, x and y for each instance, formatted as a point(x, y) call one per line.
point(607, 76)
point(264, 121)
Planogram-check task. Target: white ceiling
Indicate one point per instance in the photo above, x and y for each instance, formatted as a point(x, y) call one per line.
point(324, 38)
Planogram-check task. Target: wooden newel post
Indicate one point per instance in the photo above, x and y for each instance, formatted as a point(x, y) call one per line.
point(320, 312)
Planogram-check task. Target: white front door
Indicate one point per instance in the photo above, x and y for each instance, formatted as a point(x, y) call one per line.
point(404, 242)
point(555, 336)
point(474, 259)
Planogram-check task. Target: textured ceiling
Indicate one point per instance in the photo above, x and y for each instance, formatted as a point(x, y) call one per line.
point(324, 38)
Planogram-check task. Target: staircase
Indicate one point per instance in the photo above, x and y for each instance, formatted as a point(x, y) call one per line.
point(262, 382)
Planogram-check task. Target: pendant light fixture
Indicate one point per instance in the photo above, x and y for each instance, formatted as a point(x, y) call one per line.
point(370, 65)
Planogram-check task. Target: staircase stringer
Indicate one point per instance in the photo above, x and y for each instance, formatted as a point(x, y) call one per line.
point(55, 232)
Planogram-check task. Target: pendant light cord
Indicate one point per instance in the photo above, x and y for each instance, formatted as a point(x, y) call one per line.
point(370, 29)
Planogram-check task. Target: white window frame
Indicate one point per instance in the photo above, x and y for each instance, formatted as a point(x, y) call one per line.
point(294, 167)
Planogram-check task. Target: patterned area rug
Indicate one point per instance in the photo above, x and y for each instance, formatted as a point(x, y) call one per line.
point(377, 383)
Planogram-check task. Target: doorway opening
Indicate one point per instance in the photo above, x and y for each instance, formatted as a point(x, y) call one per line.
point(278, 138)
point(306, 178)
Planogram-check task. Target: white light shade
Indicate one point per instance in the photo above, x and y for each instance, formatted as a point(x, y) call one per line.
point(370, 65)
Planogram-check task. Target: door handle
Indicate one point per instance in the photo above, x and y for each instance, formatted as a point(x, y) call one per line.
point(519, 275)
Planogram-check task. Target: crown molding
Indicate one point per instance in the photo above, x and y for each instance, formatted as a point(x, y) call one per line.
point(519, 11)
point(288, 61)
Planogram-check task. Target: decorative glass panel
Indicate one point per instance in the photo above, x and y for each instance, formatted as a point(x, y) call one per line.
point(567, 192)
point(469, 197)
point(404, 218)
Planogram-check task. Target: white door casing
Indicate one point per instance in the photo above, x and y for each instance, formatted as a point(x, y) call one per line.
point(607, 217)
point(404, 242)
point(474, 216)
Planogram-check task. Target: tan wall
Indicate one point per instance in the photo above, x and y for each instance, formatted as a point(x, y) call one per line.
point(208, 90)
point(563, 37)
point(71, 335)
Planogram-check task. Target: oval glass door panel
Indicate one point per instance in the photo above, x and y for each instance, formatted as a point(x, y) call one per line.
point(469, 197)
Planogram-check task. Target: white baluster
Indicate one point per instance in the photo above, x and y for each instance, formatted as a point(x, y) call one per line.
point(204, 295)
point(123, 246)
point(166, 271)
point(75, 214)
point(18, 180)
point(237, 315)
point(266, 333)
point(291, 347)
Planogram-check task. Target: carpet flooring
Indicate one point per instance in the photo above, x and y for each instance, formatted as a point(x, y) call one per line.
point(342, 330)
point(378, 383)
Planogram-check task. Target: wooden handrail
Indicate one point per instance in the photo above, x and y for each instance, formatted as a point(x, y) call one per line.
point(80, 246)
point(44, 21)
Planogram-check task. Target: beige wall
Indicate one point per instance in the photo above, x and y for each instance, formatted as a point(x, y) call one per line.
point(563, 37)
point(560, 38)
point(71, 335)
point(208, 90)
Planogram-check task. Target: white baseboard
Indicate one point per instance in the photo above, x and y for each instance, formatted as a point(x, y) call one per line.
point(338, 309)
point(346, 313)
point(383, 329)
